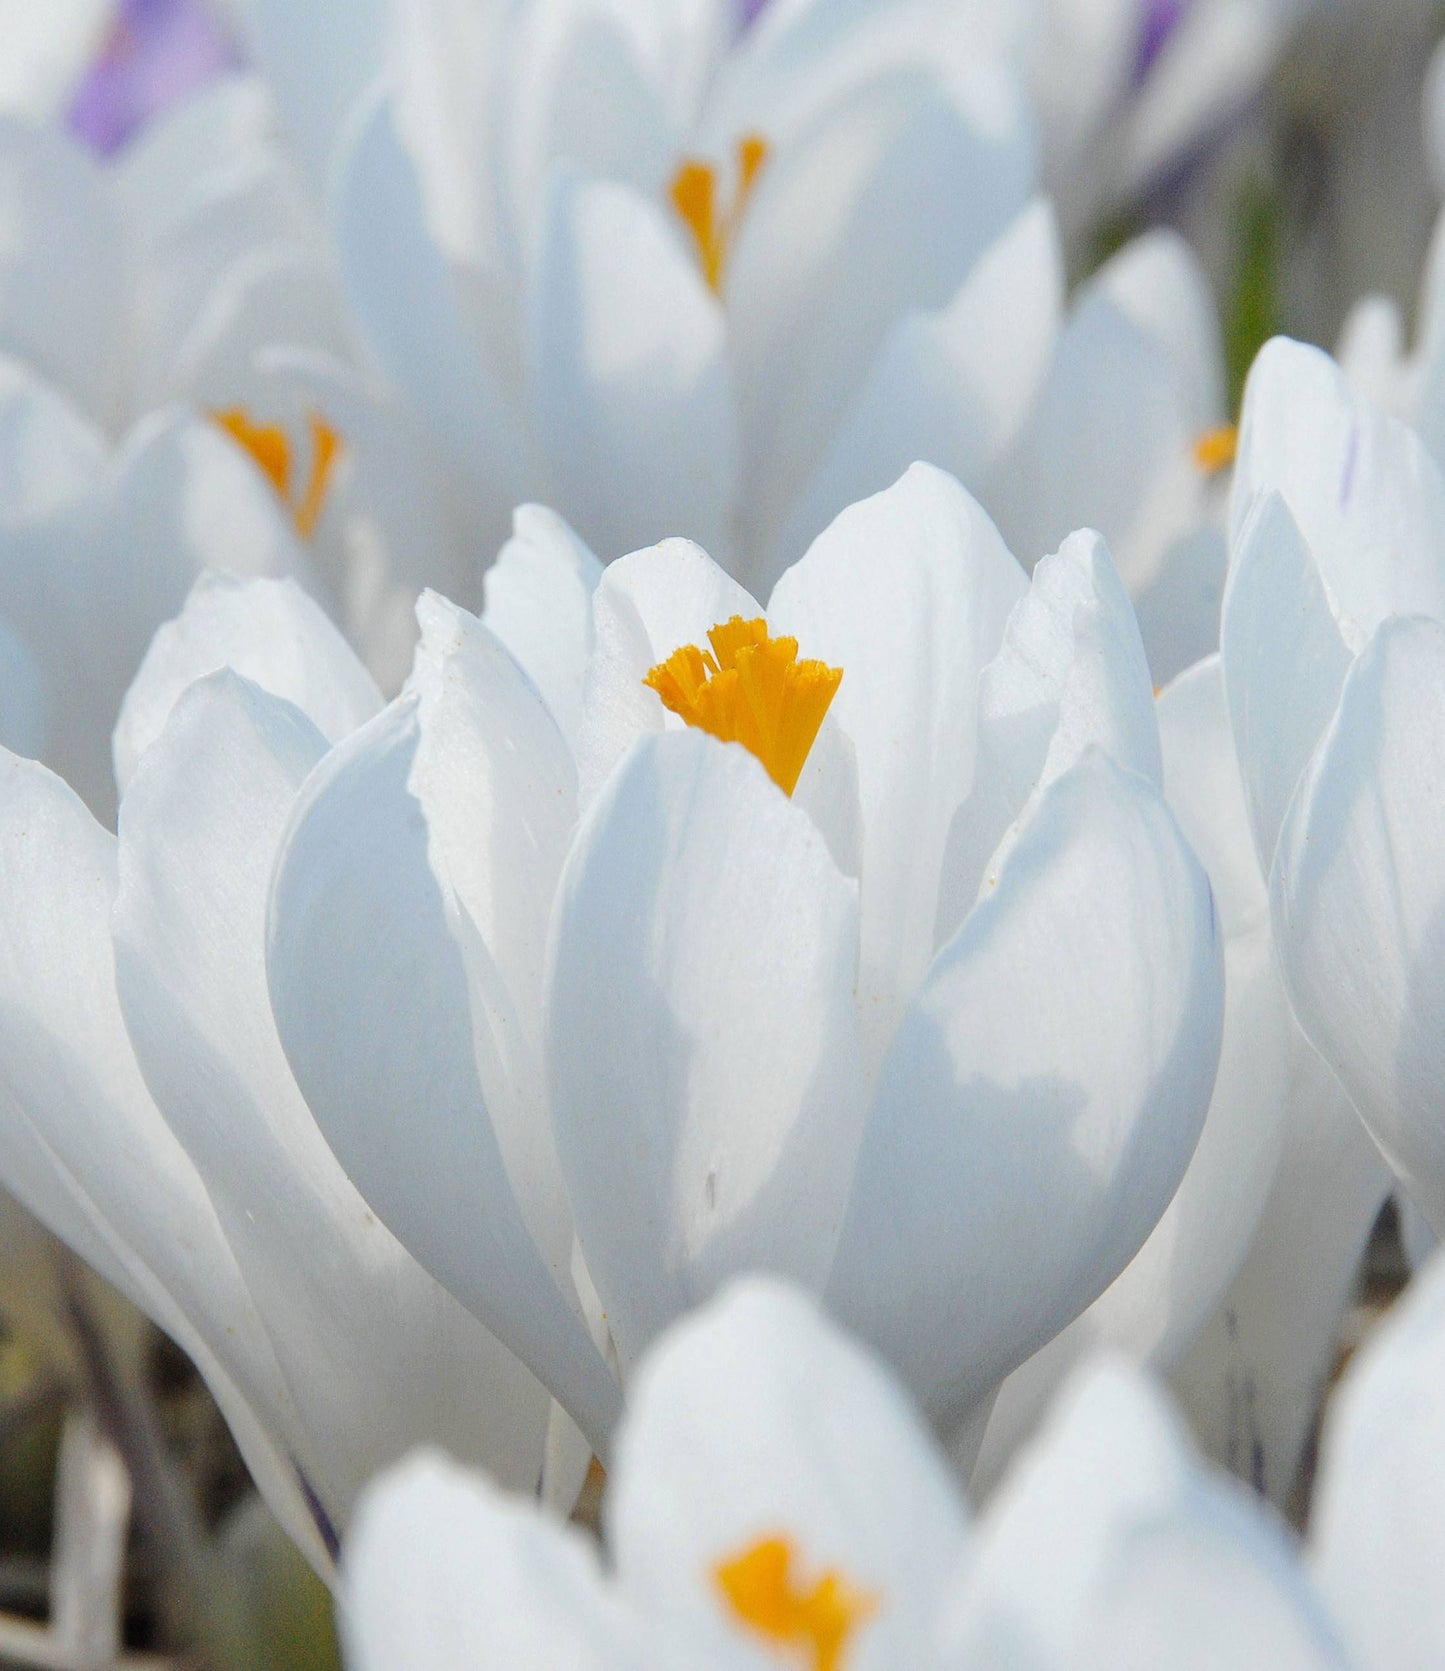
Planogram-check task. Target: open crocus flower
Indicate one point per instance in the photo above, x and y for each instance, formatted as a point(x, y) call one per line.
point(147, 1113)
point(775, 1500)
point(621, 260)
point(176, 395)
point(933, 1034)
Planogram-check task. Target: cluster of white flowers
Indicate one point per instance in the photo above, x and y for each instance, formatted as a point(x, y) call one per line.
point(990, 889)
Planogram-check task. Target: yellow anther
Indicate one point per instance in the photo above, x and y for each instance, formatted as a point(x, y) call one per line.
point(694, 194)
point(751, 689)
point(270, 448)
point(816, 1621)
point(1214, 450)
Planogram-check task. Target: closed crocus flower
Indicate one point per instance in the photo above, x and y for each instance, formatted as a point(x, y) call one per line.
point(775, 1499)
point(1337, 528)
point(647, 284)
point(1240, 1292)
point(149, 1116)
point(875, 957)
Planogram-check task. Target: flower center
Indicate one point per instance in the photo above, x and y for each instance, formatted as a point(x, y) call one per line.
point(750, 689)
point(1214, 450)
point(694, 193)
point(761, 1587)
point(270, 449)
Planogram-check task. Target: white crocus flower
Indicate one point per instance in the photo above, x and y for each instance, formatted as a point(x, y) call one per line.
point(148, 1114)
point(621, 262)
point(933, 1034)
point(1240, 1291)
point(775, 1500)
point(177, 395)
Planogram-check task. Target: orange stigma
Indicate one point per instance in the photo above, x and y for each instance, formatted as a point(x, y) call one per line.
point(817, 1621)
point(694, 194)
point(269, 447)
point(1214, 450)
point(751, 689)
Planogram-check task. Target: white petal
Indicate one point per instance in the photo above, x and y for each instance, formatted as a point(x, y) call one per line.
point(443, 1573)
point(88, 586)
point(86, 1147)
point(1070, 675)
point(1284, 663)
point(1042, 1097)
point(46, 51)
point(756, 1418)
point(24, 702)
point(1358, 898)
point(1380, 1507)
point(375, 1354)
point(629, 374)
point(410, 310)
point(834, 248)
point(1251, 1383)
point(61, 282)
point(539, 604)
point(702, 1038)
point(268, 631)
point(1362, 488)
point(950, 387)
point(1107, 1547)
point(1106, 447)
point(373, 1002)
point(49, 453)
point(908, 593)
point(646, 606)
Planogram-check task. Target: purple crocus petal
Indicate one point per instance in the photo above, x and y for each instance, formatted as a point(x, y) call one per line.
point(157, 53)
point(1158, 21)
point(747, 13)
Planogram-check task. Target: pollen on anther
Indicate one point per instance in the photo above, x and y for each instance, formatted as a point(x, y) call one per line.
point(1214, 451)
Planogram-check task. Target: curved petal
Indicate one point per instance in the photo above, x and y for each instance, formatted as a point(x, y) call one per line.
point(375, 1354)
point(629, 373)
point(1376, 1530)
point(907, 592)
point(49, 453)
point(1069, 675)
point(61, 282)
point(1284, 663)
point(88, 587)
point(1109, 1547)
point(409, 308)
point(1043, 1095)
point(1251, 1383)
point(25, 724)
point(86, 1148)
point(539, 604)
point(444, 1573)
point(1362, 488)
point(373, 998)
point(758, 1418)
point(646, 606)
point(1358, 899)
point(833, 250)
point(268, 631)
point(951, 387)
point(702, 1037)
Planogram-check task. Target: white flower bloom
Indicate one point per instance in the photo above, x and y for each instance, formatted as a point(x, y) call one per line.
point(774, 1499)
point(646, 283)
point(149, 1117)
point(934, 1034)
